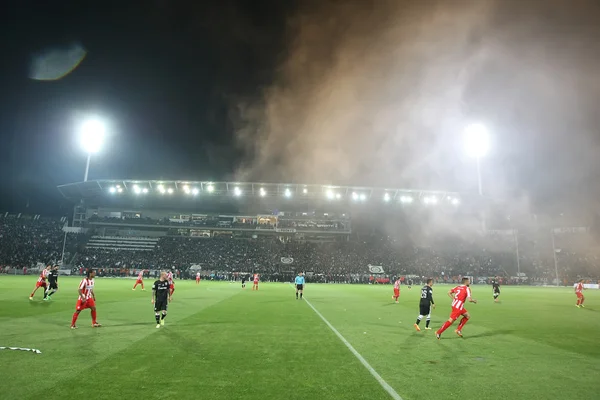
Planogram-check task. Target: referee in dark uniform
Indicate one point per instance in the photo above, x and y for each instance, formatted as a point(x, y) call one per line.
point(52, 283)
point(161, 296)
point(425, 305)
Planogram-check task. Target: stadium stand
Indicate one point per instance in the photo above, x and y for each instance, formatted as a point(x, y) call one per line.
point(122, 243)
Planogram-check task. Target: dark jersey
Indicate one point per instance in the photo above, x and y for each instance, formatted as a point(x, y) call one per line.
point(496, 286)
point(160, 290)
point(426, 295)
point(53, 276)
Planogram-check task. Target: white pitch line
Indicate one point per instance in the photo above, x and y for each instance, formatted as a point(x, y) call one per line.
point(364, 362)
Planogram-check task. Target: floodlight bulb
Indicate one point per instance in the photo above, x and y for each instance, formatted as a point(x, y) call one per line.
point(330, 194)
point(145, 190)
point(305, 190)
point(288, 193)
point(210, 188)
point(354, 196)
point(386, 197)
point(186, 189)
point(112, 190)
point(237, 191)
point(363, 197)
point(120, 190)
point(170, 190)
point(92, 134)
point(195, 191)
point(338, 196)
point(263, 192)
point(136, 189)
point(477, 141)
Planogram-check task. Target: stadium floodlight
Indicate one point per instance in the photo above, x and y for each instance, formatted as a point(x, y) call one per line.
point(262, 192)
point(354, 196)
point(91, 136)
point(477, 145)
point(386, 197)
point(145, 190)
point(161, 189)
point(170, 190)
point(363, 197)
point(237, 191)
point(112, 189)
point(330, 194)
point(338, 196)
point(137, 189)
point(195, 191)
point(210, 188)
point(305, 190)
point(186, 189)
point(455, 201)
point(288, 193)
point(120, 190)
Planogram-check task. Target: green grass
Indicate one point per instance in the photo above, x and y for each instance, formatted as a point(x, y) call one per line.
point(220, 342)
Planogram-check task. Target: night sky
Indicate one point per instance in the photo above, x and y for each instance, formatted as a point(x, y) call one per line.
point(336, 92)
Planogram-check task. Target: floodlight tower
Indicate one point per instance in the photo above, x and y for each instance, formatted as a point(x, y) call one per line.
point(92, 133)
point(477, 145)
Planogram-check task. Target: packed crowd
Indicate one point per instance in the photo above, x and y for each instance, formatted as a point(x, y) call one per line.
point(26, 242)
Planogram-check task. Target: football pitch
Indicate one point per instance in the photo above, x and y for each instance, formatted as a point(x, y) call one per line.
point(222, 342)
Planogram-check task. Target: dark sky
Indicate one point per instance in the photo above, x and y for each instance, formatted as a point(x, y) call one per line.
point(349, 92)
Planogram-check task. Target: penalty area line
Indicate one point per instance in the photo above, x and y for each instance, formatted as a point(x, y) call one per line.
point(364, 362)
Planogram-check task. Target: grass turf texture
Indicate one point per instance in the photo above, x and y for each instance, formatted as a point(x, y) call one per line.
point(222, 342)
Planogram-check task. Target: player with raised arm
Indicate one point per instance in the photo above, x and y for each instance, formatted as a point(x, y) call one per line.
point(396, 290)
point(299, 283)
point(425, 305)
point(87, 299)
point(579, 288)
point(495, 289)
point(140, 280)
point(459, 295)
point(255, 282)
point(197, 278)
point(161, 296)
point(41, 282)
point(171, 283)
point(52, 283)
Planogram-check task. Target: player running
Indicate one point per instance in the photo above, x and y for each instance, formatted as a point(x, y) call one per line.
point(396, 290)
point(87, 299)
point(140, 280)
point(579, 292)
point(243, 282)
point(171, 283)
point(299, 282)
point(197, 278)
point(255, 282)
point(161, 295)
point(41, 282)
point(495, 289)
point(459, 295)
point(52, 283)
point(425, 305)
point(410, 282)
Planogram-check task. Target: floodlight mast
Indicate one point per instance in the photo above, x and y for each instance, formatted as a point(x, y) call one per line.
point(92, 134)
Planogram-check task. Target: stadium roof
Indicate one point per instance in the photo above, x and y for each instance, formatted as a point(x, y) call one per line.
point(168, 188)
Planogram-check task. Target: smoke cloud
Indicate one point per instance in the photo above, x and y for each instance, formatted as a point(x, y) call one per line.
point(377, 93)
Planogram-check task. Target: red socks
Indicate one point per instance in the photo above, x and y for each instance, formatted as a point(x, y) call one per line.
point(74, 320)
point(93, 316)
point(446, 325)
point(463, 321)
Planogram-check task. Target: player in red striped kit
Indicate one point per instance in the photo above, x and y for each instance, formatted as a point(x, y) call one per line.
point(171, 283)
point(41, 282)
point(87, 299)
point(579, 292)
point(197, 278)
point(396, 290)
point(255, 282)
point(459, 296)
point(140, 280)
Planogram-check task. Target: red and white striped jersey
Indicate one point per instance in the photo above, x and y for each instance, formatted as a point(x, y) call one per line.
point(579, 287)
point(43, 275)
point(141, 275)
point(256, 278)
point(198, 275)
point(461, 294)
point(397, 284)
point(87, 286)
point(170, 277)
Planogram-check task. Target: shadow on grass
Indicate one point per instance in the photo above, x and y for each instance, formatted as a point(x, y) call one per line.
point(489, 334)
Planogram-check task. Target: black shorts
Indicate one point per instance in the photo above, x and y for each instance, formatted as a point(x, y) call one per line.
point(424, 309)
point(299, 287)
point(53, 285)
point(160, 305)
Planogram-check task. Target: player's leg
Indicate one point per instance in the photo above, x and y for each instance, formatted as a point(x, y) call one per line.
point(582, 300)
point(447, 324)
point(33, 293)
point(578, 300)
point(427, 321)
point(80, 306)
point(301, 293)
point(296, 293)
point(163, 316)
point(142, 283)
point(417, 322)
point(462, 323)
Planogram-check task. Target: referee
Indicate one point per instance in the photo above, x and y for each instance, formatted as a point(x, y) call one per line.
point(52, 283)
point(161, 295)
point(299, 285)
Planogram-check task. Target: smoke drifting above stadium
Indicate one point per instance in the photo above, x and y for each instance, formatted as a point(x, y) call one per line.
point(379, 93)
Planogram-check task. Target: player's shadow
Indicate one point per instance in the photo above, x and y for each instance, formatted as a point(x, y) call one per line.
point(489, 334)
point(40, 303)
point(130, 324)
point(389, 304)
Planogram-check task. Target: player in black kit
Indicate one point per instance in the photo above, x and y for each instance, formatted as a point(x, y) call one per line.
point(243, 282)
point(425, 305)
point(161, 296)
point(495, 289)
point(52, 283)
